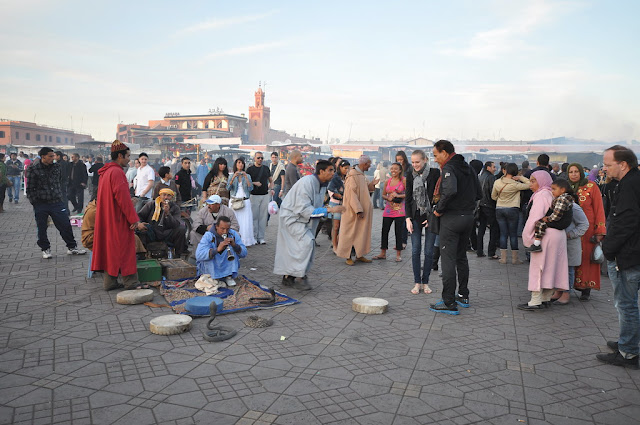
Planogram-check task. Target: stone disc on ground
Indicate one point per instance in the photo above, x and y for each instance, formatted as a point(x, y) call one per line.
point(368, 305)
point(134, 296)
point(171, 324)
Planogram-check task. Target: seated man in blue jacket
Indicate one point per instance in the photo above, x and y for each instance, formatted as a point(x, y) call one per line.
point(219, 252)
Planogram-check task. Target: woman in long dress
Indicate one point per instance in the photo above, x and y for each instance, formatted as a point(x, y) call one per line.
point(239, 187)
point(548, 269)
point(590, 198)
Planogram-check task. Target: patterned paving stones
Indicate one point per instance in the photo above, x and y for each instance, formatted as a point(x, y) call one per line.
point(69, 354)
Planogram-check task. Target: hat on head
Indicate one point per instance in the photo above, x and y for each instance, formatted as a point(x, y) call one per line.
point(117, 145)
point(214, 199)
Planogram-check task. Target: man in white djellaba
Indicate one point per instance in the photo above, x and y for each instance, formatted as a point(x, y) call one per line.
point(298, 219)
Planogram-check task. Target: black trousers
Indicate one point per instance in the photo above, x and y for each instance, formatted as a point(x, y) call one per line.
point(398, 223)
point(487, 217)
point(454, 234)
point(3, 191)
point(76, 196)
point(58, 213)
point(176, 238)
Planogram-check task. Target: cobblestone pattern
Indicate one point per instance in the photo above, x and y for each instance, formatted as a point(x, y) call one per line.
point(70, 354)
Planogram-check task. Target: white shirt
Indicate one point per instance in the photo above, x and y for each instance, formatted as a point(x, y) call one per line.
point(145, 174)
point(88, 165)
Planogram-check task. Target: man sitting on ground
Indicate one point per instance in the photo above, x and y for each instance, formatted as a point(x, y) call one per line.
point(219, 251)
point(164, 222)
point(166, 181)
point(206, 217)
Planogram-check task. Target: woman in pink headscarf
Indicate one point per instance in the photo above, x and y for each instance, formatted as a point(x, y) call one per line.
point(548, 269)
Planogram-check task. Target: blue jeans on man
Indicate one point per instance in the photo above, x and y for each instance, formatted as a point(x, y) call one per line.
point(626, 284)
point(14, 191)
point(422, 270)
point(59, 214)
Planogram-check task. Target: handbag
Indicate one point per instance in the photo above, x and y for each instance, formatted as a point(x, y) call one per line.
point(434, 222)
point(597, 256)
point(9, 183)
point(237, 203)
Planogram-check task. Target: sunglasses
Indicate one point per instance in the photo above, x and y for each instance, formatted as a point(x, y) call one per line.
point(259, 157)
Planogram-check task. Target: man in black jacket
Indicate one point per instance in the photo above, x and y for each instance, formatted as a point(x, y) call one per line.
point(65, 171)
point(45, 194)
point(455, 195)
point(487, 212)
point(621, 248)
point(77, 183)
point(417, 208)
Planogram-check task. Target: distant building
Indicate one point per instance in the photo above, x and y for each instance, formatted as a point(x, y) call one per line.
point(175, 128)
point(22, 133)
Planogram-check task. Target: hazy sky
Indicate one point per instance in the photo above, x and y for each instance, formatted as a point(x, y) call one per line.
point(456, 69)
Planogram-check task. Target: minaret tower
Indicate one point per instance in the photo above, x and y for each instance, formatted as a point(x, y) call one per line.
point(259, 119)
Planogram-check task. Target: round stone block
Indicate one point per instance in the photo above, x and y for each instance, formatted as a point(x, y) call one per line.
point(134, 296)
point(171, 324)
point(368, 305)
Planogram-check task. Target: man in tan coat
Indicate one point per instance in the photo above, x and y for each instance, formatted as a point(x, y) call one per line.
point(355, 226)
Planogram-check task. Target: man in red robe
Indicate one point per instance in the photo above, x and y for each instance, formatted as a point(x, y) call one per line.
point(114, 250)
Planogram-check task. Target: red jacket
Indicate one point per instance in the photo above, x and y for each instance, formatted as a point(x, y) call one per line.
point(113, 242)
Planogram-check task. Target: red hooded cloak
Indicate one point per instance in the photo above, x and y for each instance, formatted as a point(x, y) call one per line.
point(114, 249)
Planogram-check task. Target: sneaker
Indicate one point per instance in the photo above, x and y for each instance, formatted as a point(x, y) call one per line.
point(534, 248)
point(461, 301)
point(16, 201)
point(441, 307)
point(76, 251)
point(10, 200)
point(613, 345)
point(616, 359)
point(261, 242)
point(230, 281)
point(46, 253)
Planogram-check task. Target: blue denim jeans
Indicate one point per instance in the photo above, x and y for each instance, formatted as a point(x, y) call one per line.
point(421, 271)
point(377, 199)
point(508, 222)
point(14, 191)
point(626, 284)
point(572, 276)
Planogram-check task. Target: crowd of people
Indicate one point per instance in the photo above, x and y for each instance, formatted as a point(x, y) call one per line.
point(570, 220)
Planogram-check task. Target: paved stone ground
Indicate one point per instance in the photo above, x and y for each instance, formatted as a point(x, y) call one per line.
point(70, 354)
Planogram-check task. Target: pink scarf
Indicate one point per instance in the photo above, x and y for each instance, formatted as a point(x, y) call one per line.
point(544, 182)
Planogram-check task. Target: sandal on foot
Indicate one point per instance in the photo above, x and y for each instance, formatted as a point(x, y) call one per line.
point(143, 286)
point(427, 290)
point(416, 289)
point(379, 257)
point(398, 259)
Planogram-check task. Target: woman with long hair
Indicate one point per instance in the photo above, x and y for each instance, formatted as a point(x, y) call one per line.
point(506, 193)
point(336, 194)
point(394, 213)
point(590, 199)
point(239, 186)
point(216, 181)
point(401, 158)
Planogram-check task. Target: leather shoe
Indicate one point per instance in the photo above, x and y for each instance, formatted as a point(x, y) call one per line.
point(527, 307)
point(363, 260)
point(613, 345)
point(350, 262)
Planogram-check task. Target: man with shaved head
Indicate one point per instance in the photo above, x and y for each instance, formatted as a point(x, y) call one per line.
point(291, 172)
point(355, 226)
